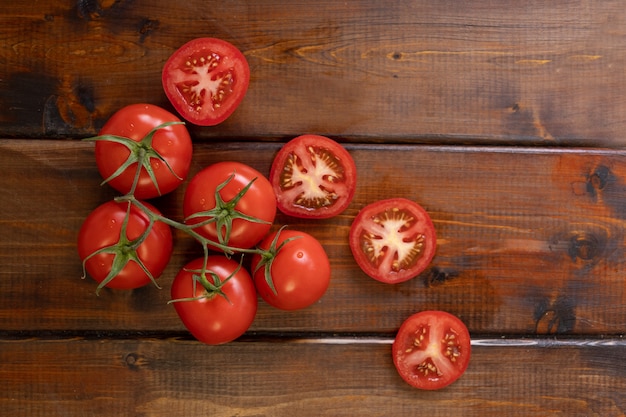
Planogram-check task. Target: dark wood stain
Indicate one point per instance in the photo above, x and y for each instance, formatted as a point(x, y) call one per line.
point(506, 123)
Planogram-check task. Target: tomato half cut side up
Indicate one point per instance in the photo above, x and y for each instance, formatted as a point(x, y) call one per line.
point(313, 177)
point(393, 240)
point(431, 350)
point(205, 80)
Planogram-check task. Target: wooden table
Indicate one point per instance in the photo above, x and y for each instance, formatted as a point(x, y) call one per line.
point(505, 120)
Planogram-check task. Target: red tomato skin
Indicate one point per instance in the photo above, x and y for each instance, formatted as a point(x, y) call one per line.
point(216, 320)
point(364, 221)
point(439, 323)
point(300, 271)
point(231, 61)
point(345, 187)
point(172, 142)
point(102, 228)
point(259, 201)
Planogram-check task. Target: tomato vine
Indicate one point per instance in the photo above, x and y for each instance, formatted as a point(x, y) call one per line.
point(125, 250)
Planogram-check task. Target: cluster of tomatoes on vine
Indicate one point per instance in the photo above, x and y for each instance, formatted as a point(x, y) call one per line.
point(143, 151)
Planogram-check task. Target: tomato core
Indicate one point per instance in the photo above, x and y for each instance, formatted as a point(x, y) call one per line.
point(393, 240)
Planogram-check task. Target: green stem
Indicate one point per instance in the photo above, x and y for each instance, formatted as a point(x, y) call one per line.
point(185, 228)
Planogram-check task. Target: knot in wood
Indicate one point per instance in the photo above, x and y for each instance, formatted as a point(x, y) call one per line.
point(585, 246)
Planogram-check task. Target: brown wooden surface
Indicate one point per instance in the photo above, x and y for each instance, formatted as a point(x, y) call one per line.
point(505, 121)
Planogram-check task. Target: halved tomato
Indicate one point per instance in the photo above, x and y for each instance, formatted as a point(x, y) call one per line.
point(206, 80)
point(432, 349)
point(313, 177)
point(393, 240)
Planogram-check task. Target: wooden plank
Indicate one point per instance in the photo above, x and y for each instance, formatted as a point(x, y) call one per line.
point(529, 241)
point(170, 377)
point(413, 70)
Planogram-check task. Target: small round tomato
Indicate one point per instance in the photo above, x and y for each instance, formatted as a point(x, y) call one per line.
point(232, 203)
point(393, 240)
point(313, 177)
point(217, 305)
point(129, 136)
point(205, 80)
point(294, 272)
point(110, 245)
point(432, 349)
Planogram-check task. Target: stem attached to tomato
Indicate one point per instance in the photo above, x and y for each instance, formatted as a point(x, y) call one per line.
point(268, 256)
point(124, 251)
point(140, 153)
point(223, 214)
point(211, 289)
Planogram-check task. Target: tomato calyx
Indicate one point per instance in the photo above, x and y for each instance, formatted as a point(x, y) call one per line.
point(268, 255)
point(124, 251)
point(224, 212)
point(211, 287)
point(141, 153)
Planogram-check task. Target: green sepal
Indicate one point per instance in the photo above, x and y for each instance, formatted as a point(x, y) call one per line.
point(140, 152)
point(124, 251)
point(268, 256)
point(224, 212)
point(211, 289)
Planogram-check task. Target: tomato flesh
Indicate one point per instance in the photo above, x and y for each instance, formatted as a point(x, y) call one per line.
point(205, 80)
point(432, 349)
point(313, 177)
point(393, 240)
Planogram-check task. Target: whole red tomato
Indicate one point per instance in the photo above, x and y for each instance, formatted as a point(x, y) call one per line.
point(432, 349)
point(110, 245)
point(217, 305)
point(130, 136)
point(313, 177)
point(234, 203)
point(205, 80)
point(294, 272)
point(393, 240)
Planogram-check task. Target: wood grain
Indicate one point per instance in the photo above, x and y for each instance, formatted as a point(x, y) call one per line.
point(504, 120)
point(449, 71)
point(530, 241)
point(168, 377)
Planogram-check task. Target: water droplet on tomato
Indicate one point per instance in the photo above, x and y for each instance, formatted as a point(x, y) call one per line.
point(300, 255)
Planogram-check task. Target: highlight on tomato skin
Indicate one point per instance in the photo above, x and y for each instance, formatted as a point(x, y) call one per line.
point(313, 177)
point(432, 349)
point(393, 240)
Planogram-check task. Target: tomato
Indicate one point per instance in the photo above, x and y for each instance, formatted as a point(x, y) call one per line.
point(112, 257)
point(393, 240)
point(217, 306)
point(225, 211)
point(294, 272)
point(205, 80)
point(166, 154)
point(313, 177)
point(432, 349)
